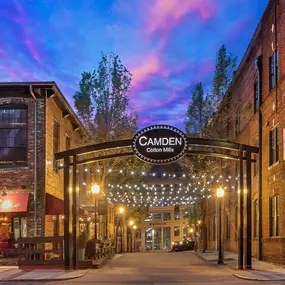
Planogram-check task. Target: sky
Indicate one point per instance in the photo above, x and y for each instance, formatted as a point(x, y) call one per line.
point(167, 45)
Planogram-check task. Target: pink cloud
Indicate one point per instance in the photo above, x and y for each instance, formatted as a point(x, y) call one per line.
point(149, 64)
point(164, 15)
point(24, 21)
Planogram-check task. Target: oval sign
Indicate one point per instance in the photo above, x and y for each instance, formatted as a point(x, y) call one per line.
point(160, 144)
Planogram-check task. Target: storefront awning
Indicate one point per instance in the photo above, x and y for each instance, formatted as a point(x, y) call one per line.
point(13, 203)
point(54, 205)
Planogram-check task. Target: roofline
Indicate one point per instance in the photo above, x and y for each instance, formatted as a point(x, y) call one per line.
point(51, 84)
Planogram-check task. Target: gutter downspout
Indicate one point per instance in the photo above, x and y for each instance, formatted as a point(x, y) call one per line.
point(259, 89)
point(35, 158)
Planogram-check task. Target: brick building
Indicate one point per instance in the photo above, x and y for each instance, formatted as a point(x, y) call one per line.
point(36, 122)
point(257, 100)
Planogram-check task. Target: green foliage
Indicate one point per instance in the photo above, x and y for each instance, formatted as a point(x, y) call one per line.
point(196, 112)
point(102, 102)
point(225, 65)
point(103, 105)
point(137, 214)
point(193, 213)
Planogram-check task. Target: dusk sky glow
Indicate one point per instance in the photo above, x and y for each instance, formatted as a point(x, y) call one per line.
point(168, 45)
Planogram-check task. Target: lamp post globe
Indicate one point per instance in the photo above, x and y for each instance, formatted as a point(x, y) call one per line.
point(131, 223)
point(95, 188)
point(220, 192)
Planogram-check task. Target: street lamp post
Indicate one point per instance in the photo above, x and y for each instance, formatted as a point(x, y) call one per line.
point(121, 212)
point(220, 194)
point(134, 227)
point(131, 223)
point(95, 189)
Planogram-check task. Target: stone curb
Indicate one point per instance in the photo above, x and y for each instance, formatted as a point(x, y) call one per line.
point(105, 259)
point(44, 279)
point(256, 278)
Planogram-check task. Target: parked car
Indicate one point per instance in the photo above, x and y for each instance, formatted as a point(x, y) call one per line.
point(183, 245)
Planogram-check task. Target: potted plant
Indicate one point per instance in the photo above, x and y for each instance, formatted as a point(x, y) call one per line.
point(82, 243)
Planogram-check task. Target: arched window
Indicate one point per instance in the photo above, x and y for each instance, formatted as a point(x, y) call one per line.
point(13, 134)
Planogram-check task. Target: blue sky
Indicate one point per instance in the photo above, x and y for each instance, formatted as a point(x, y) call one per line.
point(168, 45)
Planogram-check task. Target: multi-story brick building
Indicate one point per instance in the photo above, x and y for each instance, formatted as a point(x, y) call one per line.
point(257, 98)
point(36, 122)
point(162, 227)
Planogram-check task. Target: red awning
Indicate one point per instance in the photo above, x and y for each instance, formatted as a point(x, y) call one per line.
point(54, 205)
point(12, 203)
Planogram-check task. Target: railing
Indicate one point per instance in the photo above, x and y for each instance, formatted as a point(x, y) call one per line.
point(40, 251)
point(106, 250)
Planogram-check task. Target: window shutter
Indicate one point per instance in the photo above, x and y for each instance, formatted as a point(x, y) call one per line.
point(270, 147)
point(276, 145)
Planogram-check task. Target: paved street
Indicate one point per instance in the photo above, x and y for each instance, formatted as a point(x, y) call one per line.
point(155, 268)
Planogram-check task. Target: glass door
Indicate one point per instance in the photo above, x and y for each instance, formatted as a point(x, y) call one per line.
point(148, 239)
point(157, 238)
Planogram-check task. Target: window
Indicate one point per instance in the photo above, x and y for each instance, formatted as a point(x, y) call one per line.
point(176, 231)
point(255, 97)
point(13, 134)
point(166, 216)
point(273, 146)
point(148, 218)
point(157, 216)
point(273, 70)
point(228, 229)
point(256, 164)
point(176, 213)
point(255, 217)
point(67, 142)
point(55, 142)
point(237, 122)
point(274, 215)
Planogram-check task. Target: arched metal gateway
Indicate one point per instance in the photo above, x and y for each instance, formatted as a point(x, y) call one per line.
point(158, 144)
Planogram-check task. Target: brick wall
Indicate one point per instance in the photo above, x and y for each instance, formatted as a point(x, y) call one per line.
point(264, 42)
point(21, 178)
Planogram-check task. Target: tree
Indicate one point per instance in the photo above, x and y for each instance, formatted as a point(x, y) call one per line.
point(103, 105)
point(196, 112)
point(224, 67)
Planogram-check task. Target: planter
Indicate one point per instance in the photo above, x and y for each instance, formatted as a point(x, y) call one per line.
point(81, 253)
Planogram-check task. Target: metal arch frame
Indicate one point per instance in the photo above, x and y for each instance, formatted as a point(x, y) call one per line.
point(243, 153)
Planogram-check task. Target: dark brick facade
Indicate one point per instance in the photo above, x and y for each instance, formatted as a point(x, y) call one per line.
point(269, 36)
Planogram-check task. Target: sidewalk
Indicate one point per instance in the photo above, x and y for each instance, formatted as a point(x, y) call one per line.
point(262, 271)
point(13, 274)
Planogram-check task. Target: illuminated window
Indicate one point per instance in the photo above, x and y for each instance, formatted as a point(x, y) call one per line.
point(273, 146)
point(274, 215)
point(256, 217)
point(176, 231)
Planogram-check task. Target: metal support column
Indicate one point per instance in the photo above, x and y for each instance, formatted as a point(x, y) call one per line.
point(240, 206)
point(75, 213)
point(248, 223)
point(67, 230)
